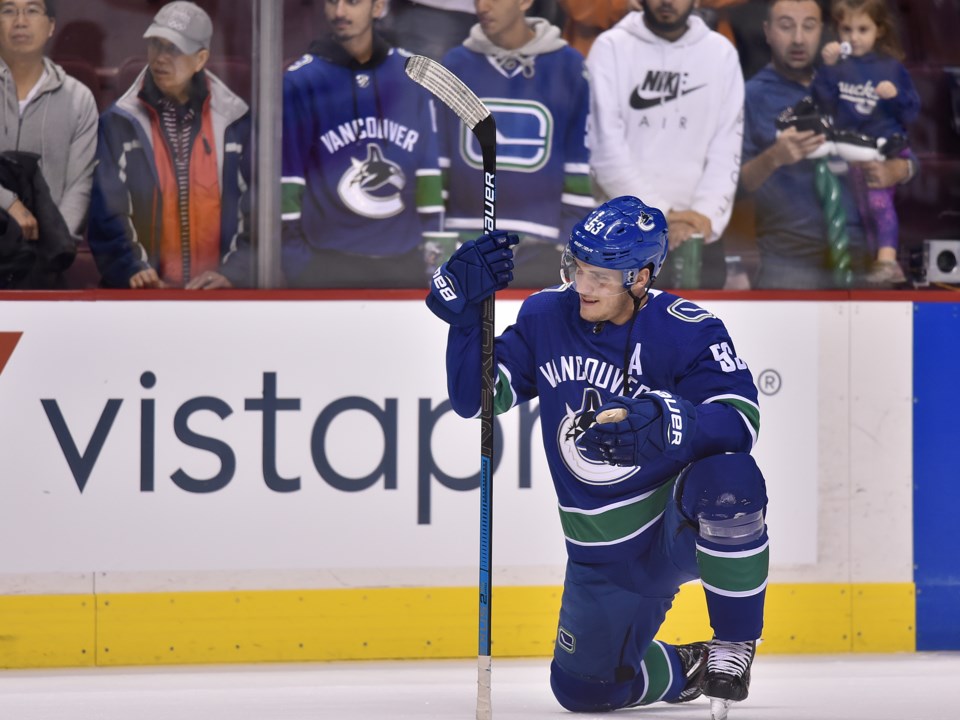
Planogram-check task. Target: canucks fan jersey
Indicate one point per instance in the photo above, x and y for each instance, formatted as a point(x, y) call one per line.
point(574, 367)
point(540, 106)
point(360, 161)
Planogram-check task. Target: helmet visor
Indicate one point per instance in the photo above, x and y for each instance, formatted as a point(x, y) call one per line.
point(592, 280)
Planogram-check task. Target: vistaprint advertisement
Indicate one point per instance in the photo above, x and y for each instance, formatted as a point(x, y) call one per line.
point(316, 435)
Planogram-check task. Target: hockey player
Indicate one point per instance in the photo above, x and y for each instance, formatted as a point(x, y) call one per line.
point(537, 89)
point(361, 175)
point(667, 494)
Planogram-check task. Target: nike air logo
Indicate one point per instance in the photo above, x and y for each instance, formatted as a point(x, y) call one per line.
point(642, 103)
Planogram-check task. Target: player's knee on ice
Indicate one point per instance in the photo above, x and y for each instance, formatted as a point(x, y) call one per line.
point(578, 694)
point(725, 497)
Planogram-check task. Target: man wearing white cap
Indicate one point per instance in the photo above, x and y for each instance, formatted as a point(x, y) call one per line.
point(166, 208)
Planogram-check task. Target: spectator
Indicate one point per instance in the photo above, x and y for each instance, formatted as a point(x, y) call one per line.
point(46, 112)
point(795, 236)
point(361, 176)
point(428, 27)
point(168, 205)
point(586, 19)
point(866, 89)
point(674, 137)
point(536, 86)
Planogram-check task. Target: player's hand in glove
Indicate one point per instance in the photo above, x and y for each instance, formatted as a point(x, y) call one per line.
point(656, 424)
point(475, 271)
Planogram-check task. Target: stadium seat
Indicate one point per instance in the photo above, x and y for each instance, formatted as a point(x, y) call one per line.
point(937, 130)
point(929, 30)
point(235, 72)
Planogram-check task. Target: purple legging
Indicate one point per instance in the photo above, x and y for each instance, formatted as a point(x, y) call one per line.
point(877, 212)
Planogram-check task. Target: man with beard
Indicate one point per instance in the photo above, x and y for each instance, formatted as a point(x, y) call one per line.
point(792, 232)
point(361, 173)
point(666, 123)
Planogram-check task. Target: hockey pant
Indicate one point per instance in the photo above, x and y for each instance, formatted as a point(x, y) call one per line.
point(605, 656)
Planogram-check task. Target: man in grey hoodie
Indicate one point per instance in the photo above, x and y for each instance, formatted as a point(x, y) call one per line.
point(44, 111)
point(536, 86)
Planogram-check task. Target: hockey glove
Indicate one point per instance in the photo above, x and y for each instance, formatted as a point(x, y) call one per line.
point(475, 271)
point(657, 424)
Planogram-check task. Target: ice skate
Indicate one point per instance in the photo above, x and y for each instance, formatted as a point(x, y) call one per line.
point(857, 147)
point(693, 659)
point(727, 678)
point(804, 116)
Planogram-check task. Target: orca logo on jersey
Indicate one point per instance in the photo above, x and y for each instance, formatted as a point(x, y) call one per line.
point(372, 187)
point(572, 427)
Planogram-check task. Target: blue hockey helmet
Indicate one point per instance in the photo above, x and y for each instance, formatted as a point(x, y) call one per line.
point(622, 234)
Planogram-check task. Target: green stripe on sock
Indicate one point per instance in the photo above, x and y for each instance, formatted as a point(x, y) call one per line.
point(734, 574)
point(657, 665)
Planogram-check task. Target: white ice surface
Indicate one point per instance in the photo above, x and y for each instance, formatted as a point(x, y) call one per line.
point(835, 687)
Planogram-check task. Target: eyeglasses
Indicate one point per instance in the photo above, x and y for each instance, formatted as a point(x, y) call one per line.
point(30, 12)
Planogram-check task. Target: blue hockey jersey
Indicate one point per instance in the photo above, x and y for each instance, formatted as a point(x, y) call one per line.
point(361, 172)
point(574, 366)
point(847, 91)
point(539, 96)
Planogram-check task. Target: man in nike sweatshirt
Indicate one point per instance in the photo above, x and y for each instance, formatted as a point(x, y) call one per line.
point(666, 123)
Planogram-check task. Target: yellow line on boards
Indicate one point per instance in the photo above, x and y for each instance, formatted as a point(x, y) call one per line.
point(402, 623)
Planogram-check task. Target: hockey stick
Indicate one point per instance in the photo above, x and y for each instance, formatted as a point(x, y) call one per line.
point(475, 115)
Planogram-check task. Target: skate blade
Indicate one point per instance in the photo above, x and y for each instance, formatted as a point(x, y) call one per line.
point(719, 708)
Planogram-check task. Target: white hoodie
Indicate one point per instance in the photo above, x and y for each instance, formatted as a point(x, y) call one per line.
point(666, 118)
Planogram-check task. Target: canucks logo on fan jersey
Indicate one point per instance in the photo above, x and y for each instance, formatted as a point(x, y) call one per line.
point(572, 426)
point(524, 136)
point(371, 187)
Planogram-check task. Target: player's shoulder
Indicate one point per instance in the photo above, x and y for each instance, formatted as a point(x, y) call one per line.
point(680, 314)
point(547, 301)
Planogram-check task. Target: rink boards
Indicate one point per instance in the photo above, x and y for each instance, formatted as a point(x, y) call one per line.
point(281, 479)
